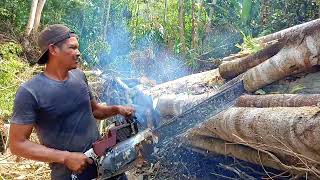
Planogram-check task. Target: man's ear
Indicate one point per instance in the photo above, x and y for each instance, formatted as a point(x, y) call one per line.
point(53, 49)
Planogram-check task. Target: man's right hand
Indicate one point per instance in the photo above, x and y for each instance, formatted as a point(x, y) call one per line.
point(76, 162)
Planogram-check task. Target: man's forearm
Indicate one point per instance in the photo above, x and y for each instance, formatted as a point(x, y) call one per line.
point(103, 111)
point(34, 151)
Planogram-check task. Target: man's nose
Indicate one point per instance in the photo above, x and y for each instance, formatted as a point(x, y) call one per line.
point(78, 53)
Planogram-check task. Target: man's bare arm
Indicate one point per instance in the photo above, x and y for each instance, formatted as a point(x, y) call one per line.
point(20, 145)
point(102, 111)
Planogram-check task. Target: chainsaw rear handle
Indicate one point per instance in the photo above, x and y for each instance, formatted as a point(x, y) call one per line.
point(90, 154)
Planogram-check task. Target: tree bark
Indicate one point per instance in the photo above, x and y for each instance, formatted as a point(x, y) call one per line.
point(292, 131)
point(174, 97)
point(305, 84)
point(278, 100)
point(40, 6)
point(192, 84)
point(234, 57)
point(235, 67)
point(175, 104)
point(181, 27)
point(31, 18)
point(298, 55)
point(209, 145)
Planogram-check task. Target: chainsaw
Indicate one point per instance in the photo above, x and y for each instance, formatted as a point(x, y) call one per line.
point(123, 144)
point(120, 147)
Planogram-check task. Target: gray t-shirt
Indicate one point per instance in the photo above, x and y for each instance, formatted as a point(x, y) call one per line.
point(61, 112)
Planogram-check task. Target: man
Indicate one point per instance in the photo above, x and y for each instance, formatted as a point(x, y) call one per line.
point(59, 104)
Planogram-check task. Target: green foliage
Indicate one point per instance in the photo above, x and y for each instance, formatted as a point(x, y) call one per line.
point(93, 50)
point(10, 66)
point(4, 12)
point(246, 10)
point(218, 23)
point(13, 71)
point(249, 45)
point(285, 13)
point(14, 13)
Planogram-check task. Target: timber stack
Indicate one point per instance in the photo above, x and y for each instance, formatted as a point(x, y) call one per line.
point(275, 130)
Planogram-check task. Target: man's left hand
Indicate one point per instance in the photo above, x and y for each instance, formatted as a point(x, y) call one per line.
point(126, 110)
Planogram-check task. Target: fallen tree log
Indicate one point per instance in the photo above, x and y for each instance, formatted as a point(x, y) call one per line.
point(280, 130)
point(175, 104)
point(237, 66)
point(233, 57)
point(243, 152)
point(288, 137)
point(233, 68)
point(306, 84)
point(278, 100)
point(298, 55)
point(192, 84)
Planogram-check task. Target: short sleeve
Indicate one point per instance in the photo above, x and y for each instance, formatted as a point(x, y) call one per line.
point(25, 107)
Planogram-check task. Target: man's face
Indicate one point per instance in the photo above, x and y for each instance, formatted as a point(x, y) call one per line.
point(68, 54)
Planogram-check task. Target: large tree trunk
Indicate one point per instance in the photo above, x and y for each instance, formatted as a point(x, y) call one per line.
point(209, 145)
point(298, 55)
point(285, 130)
point(174, 97)
point(278, 100)
point(235, 67)
point(292, 54)
point(304, 83)
point(31, 18)
point(40, 6)
point(175, 104)
point(192, 84)
point(290, 133)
